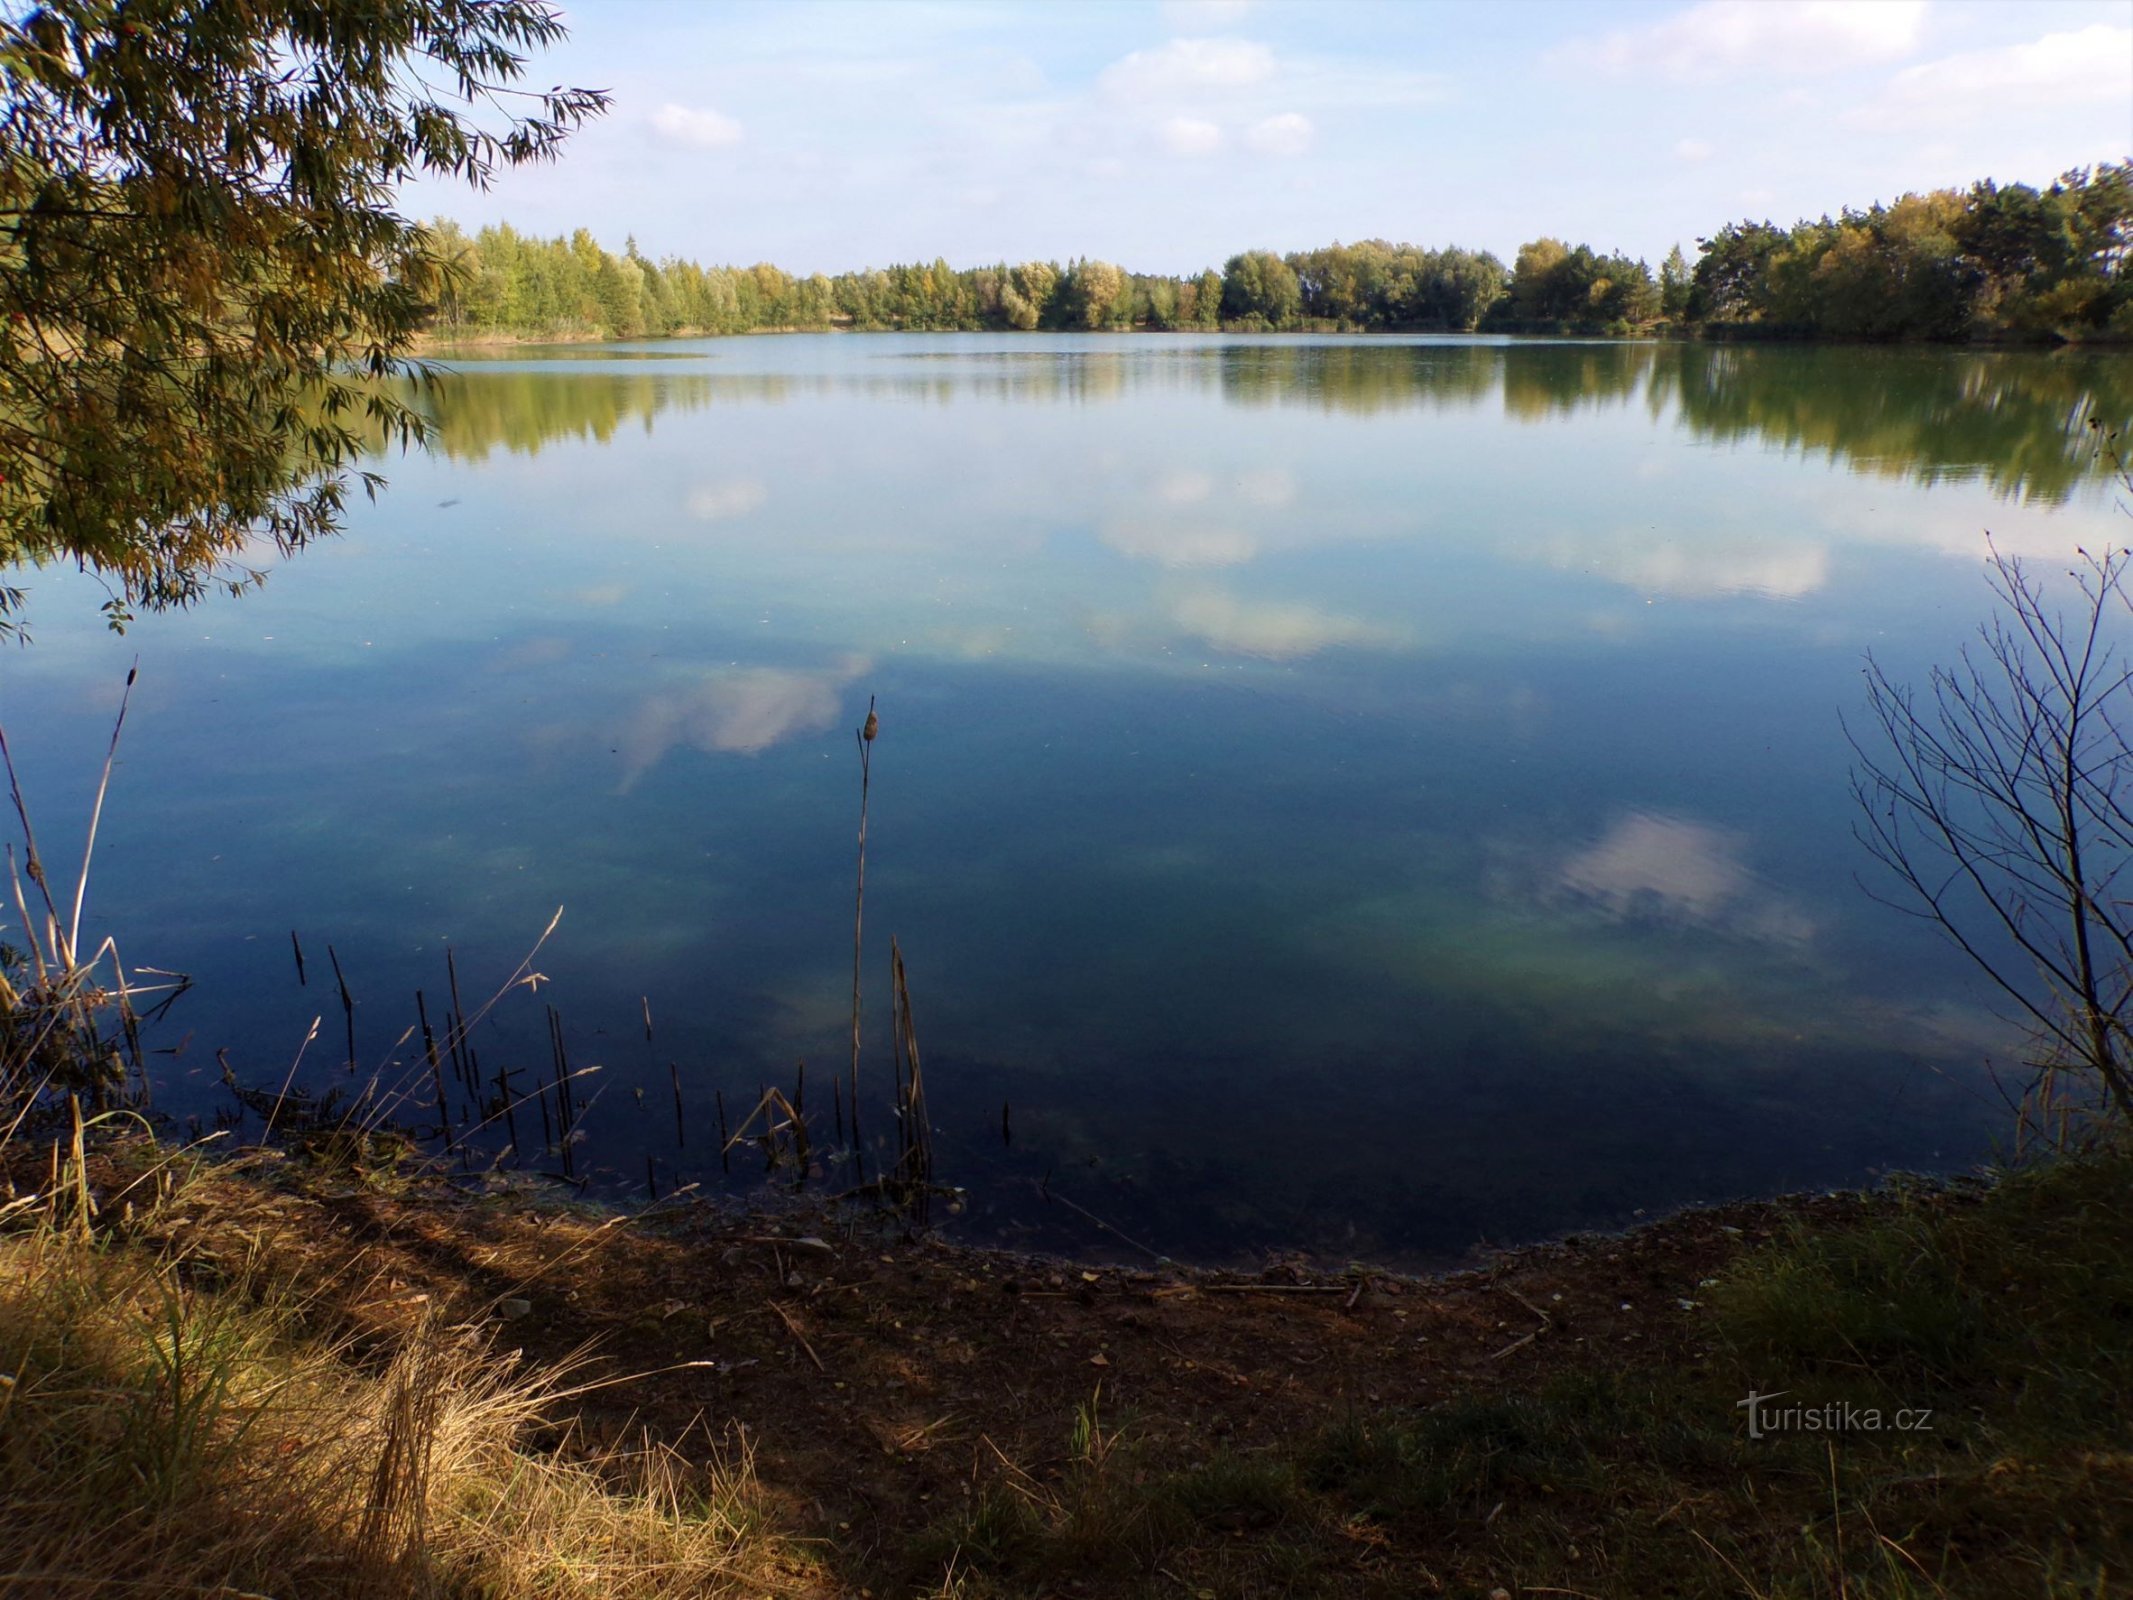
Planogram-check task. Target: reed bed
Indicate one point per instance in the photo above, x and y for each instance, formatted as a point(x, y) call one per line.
point(70, 1027)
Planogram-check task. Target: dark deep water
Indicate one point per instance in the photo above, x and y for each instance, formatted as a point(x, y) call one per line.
point(1362, 795)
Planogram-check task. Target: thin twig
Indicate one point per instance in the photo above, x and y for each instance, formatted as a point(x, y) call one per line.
point(800, 1338)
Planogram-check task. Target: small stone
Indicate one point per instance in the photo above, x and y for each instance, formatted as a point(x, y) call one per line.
point(512, 1310)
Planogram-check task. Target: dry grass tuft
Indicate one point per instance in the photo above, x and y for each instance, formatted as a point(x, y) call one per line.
point(169, 1426)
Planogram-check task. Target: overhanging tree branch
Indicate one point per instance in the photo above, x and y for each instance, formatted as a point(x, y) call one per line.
point(1994, 803)
point(204, 284)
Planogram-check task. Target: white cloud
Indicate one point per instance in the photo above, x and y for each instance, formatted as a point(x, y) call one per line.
point(699, 128)
point(2092, 65)
point(1693, 149)
point(1186, 66)
point(1288, 134)
point(736, 497)
point(1191, 136)
point(1722, 36)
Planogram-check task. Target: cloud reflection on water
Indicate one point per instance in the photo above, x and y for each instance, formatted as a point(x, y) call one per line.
point(734, 497)
point(1699, 568)
point(1196, 517)
point(1649, 867)
point(734, 710)
point(1173, 543)
point(1271, 630)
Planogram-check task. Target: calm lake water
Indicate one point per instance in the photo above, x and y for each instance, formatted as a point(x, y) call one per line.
point(1369, 796)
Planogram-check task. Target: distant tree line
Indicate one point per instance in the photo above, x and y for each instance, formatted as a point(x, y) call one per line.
point(508, 283)
point(1944, 265)
point(2056, 262)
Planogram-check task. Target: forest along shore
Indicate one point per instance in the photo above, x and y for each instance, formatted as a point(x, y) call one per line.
point(1990, 260)
point(1562, 1413)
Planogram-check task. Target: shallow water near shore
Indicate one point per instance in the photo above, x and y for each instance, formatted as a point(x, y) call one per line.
point(1369, 796)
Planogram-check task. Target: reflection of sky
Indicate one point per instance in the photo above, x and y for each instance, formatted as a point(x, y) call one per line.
point(1679, 870)
point(1446, 750)
point(742, 710)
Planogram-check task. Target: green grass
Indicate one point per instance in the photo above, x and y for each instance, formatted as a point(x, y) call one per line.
point(2004, 1312)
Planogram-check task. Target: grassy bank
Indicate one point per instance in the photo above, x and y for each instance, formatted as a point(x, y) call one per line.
point(273, 1377)
point(186, 1409)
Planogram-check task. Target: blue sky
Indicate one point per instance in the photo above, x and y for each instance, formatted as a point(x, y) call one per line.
point(1169, 134)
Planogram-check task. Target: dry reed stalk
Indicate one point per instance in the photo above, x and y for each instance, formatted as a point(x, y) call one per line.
point(54, 1036)
point(1051, 1198)
point(429, 1049)
point(455, 1023)
point(33, 863)
point(503, 1088)
point(914, 1132)
point(96, 811)
point(130, 1024)
point(565, 1110)
point(459, 1045)
point(866, 736)
point(348, 1008)
point(784, 1129)
point(289, 1078)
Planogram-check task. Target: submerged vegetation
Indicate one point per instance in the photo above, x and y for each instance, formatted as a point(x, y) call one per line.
point(2014, 260)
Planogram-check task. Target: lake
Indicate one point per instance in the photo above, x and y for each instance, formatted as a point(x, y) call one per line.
point(1365, 796)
